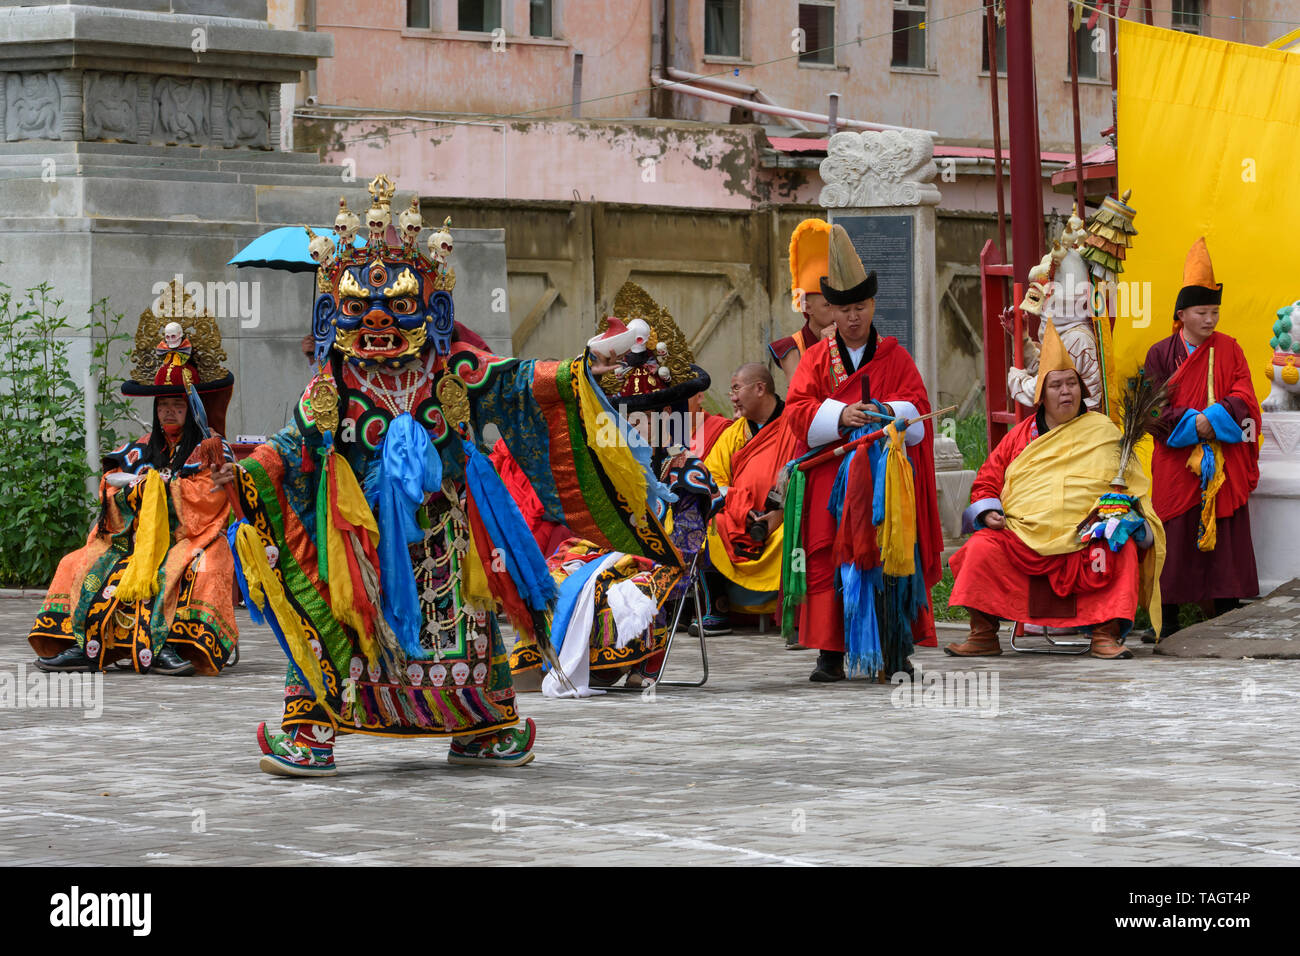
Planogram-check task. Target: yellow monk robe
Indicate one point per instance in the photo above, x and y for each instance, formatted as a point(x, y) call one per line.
point(748, 468)
point(1050, 486)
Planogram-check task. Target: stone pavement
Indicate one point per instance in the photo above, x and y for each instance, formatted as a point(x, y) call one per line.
point(1266, 628)
point(1149, 761)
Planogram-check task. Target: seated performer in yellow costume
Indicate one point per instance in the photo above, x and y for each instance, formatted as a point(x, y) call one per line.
point(152, 587)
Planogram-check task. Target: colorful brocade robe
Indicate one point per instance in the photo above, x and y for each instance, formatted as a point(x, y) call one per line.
point(193, 609)
point(459, 682)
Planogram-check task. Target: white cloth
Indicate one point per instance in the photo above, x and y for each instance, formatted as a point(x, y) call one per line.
point(575, 651)
point(633, 612)
point(825, 425)
point(915, 431)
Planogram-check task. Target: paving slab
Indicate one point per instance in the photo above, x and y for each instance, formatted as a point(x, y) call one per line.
point(1265, 629)
point(1049, 760)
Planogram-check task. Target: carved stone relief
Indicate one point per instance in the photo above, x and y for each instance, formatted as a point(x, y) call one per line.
point(885, 168)
point(32, 106)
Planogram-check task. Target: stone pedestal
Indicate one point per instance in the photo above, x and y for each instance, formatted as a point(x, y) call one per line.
point(1275, 504)
point(879, 187)
point(953, 481)
point(136, 145)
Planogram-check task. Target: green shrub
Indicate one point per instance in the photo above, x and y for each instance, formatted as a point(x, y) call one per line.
point(43, 466)
point(973, 440)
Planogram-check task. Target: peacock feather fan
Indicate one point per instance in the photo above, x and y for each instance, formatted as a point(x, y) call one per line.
point(1142, 406)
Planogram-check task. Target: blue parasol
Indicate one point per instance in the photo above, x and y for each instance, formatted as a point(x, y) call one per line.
point(284, 248)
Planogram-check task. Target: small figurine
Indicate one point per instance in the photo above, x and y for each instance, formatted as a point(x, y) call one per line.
point(346, 224)
point(320, 248)
point(440, 244)
point(410, 222)
point(175, 351)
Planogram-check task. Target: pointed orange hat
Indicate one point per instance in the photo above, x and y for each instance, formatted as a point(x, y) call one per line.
point(1054, 357)
point(1199, 287)
point(809, 257)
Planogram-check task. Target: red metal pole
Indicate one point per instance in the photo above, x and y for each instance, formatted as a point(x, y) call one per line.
point(991, 29)
point(1074, 96)
point(1026, 157)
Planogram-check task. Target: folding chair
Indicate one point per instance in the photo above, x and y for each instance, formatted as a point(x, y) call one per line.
point(690, 534)
point(1057, 638)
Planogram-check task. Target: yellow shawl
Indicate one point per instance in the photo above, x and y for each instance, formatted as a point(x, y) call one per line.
point(1052, 485)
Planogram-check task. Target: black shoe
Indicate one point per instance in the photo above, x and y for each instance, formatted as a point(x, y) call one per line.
point(167, 661)
point(830, 668)
point(73, 659)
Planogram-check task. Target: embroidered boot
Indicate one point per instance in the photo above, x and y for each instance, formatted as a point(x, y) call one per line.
point(982, 640)
point(308, 752)
point(510, 747)
point(1105, 644)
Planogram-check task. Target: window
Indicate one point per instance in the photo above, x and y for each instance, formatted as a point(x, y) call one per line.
point(478, 16)
point(539, 18)
point(417, 14)
point(1187, 15)
point(1002, 49)
point(722, 28)
point(1088, 60)
point(817, 21)
point(909, 36)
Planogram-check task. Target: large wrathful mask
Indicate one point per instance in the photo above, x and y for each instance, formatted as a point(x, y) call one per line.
point(380, 304)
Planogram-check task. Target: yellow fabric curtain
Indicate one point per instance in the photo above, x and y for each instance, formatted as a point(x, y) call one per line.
point(1207, 135)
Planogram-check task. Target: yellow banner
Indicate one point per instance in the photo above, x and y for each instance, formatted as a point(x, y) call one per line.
point(1208, 139)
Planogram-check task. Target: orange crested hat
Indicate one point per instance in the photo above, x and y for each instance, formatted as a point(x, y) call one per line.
point(1054, 357)
point(1199, 287)
point(809, 258)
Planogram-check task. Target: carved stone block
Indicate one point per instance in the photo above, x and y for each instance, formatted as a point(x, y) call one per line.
point(111, 105)
point(32, 106)
point(886, 168)
point(180, 111)
point(247, 115)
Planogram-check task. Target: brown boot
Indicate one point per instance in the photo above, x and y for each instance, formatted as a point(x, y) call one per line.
point(983, 639)
point(1105, 645)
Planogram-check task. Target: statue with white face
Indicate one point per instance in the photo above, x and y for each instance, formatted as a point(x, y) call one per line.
point(460, 673)
point(438, 675)
point(173, 335)
point(480, 672)
point(481, 645)
point(354, 668)
point(414, 674)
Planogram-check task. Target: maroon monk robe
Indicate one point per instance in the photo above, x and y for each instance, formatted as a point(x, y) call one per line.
point(997, 573)
point(1191, 575)
point(893, 376)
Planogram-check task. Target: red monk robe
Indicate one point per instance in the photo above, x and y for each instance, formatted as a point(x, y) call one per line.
point(998, 574)
point(894, 380)
point(1191, 575)
point(755, 468)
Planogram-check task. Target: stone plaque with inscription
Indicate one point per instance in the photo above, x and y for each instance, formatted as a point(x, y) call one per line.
point(884, 243)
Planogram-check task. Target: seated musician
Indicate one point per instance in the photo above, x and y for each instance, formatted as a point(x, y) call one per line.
point(1027, 561)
